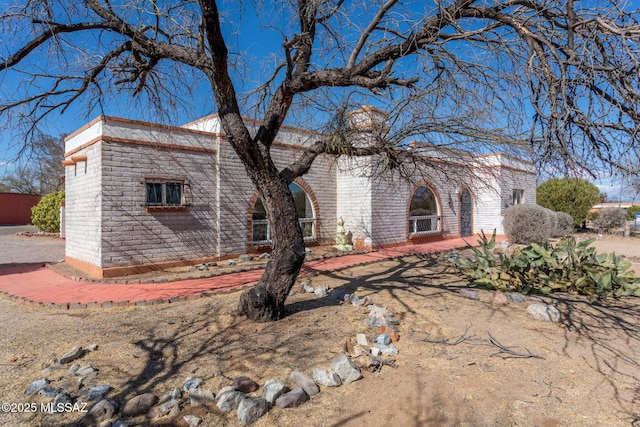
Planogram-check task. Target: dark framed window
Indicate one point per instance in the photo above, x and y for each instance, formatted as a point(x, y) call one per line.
point(173, 193)
point(154, 193)
point(164, 193)
point(517, 197)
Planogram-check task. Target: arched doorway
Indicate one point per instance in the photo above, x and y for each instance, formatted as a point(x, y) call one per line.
point(260, 230)
point(424, 214)
point(466, 213)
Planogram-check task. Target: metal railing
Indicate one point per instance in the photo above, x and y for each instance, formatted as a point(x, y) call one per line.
point(261, 232)
point(425, 224)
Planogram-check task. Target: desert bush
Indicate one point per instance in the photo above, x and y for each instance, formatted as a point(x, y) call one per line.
point(527, 224)
point(631, 210)
point(46, 214)
point(566, 267)
point(564, 224)
point(608, 219)
point(553, 222)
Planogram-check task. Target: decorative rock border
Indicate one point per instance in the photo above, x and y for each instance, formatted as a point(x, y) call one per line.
point(361, 352)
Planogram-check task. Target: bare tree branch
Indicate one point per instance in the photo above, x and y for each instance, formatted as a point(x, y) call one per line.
point(508, 352)
point(446, 341)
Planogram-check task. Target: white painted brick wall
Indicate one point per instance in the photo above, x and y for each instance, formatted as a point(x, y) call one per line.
point(134, 235)
point(108, 225)
point(354, 197)
point(487, 207)
point(389, 212)
point(237, 191)
point(392, 200)
point(83, 206)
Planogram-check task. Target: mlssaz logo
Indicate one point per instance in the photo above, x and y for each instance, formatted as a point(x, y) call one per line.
point(52, 408)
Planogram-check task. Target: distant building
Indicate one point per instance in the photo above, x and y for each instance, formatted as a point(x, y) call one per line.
point(600, 206)
point(143, 196)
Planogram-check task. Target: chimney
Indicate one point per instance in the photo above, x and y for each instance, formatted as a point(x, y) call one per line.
point(368, 123)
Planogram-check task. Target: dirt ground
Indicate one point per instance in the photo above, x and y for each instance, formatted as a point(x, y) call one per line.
point(586, 371)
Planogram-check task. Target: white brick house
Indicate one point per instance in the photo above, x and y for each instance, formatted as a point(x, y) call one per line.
point(143, 196)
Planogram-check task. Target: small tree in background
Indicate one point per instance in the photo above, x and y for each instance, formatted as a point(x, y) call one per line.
point(40, 169)
point(574, 196)
point(46, 214)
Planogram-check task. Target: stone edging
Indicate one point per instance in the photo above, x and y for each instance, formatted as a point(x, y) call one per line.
point(37, 234)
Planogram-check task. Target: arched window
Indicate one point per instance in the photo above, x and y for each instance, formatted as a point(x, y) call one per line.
point(261, 232)
point(424, 217)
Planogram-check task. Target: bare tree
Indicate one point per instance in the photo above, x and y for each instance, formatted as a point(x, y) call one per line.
point(558, 77)
point(39, 171)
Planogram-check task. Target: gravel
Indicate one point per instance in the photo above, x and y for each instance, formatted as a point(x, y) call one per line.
point(27, 250)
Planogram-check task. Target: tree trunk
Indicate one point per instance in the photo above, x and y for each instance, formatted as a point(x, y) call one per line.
point(265, 301)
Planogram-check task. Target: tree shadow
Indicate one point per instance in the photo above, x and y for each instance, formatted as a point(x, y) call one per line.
point(175, 347)
point(20, 267)
point(411, 274)
point(611, 332)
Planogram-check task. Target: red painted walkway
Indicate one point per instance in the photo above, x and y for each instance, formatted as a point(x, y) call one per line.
point(43, 286)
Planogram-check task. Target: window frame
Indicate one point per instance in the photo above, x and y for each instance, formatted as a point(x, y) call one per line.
point(517, 196)
point(431, 223)
point(306, 223)
point(167, 192)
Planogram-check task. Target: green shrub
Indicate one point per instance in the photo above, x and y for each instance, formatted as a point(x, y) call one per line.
point(608, 219)
point(566, 267)
point(574, 196)
point(631, 210)
point(564, 225)
point(528, 223)
point(46, 214)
